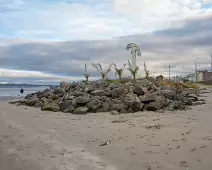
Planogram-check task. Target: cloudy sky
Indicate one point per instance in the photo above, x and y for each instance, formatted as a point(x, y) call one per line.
point(47, 41)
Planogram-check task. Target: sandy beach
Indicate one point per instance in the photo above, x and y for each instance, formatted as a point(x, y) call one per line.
point(34, 140)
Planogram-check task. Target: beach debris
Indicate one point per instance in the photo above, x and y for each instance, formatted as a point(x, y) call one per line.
point(107, 142)
point(157, 126)
point(118, 121)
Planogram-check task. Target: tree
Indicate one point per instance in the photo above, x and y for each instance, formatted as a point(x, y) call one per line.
point(146, 71)
point(133, 72)
point(119, 71)
point(86, 74)
point(134, 50)
point(103, 73)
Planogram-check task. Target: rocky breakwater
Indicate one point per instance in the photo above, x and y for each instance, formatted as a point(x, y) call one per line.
point(97, 96)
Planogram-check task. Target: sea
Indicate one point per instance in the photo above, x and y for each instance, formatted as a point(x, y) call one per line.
point(13, 92)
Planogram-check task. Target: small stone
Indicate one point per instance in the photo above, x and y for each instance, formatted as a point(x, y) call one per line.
point(114, 112)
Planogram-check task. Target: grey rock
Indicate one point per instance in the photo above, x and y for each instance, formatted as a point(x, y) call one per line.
point(65, 104)
point(138, 90)
point(39, 104)
point(90, 88)
point(194, 96)
point(94, 105)
point(98, 93)
point(82, 100)
point(129, 99)
point(70, 109)
point(50, 107)
point(198, 103)
point(158, 104)
point(81, 110)
point(137, 105)
point(105, 108)
point(147, 98)
point(114, 112)
point(116, 93)
point(39, 94)
point(53, 96)
point(117, 107)
point(130, 110)
point(169, 94)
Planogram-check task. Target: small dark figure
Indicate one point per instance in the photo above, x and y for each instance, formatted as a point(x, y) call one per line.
point(22, 92)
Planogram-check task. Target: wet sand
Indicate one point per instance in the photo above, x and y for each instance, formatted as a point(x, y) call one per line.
point(34, 140)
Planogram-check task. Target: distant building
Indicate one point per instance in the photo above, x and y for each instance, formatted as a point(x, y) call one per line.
point(204, 76)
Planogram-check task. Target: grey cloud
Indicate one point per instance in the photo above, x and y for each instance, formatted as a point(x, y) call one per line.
point(176, 47)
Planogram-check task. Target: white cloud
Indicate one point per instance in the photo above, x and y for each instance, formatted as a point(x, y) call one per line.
point(207, 1)
point(150, 15)
point(77, 21)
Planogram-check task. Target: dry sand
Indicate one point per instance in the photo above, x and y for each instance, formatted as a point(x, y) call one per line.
point(34, 140)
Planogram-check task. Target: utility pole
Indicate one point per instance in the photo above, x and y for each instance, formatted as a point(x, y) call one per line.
point(211, 61)
point(169, 73)
point(196, 70)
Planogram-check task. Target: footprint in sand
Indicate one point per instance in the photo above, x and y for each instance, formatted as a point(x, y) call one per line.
point(192, 150)
point(178, 147)
point(203, 146)
point(207, 138)
point(184, 164)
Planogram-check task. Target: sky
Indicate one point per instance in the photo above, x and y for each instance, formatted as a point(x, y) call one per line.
point(48, 41)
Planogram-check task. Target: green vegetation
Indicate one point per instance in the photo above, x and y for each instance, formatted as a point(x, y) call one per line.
point(133, 72)
point(119, 71)
point(103, 73)
point(146, 71)
point(178, 84)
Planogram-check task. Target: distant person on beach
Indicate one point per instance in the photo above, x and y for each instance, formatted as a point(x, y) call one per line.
point(22, 92)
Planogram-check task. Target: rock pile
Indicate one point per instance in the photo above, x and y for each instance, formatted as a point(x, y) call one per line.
point(98, 96)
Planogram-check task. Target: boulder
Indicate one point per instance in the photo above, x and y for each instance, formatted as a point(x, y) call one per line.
point(147, 98)
point(136, 105)
point(89, 88)
point(129, 99)
point(198, 103)
point(194, 96)
point(98, 93)
point(69, 96)
point(39, 94)
point(50, 107)
point(94, 105)
point(130, 110)
point(29, 96)
point(53, 96)
point(32, 101)
point(69, 109)
point(159, 103)
point(82, 100)
point(117, 107)
point(65, 104)
point(64, 84)
point(81, 110)
point(105, 107)
point(81, 94)
point(39, 104)
point(168, 94)
point(138, 90)
point(114, 112)
point(116, 93)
